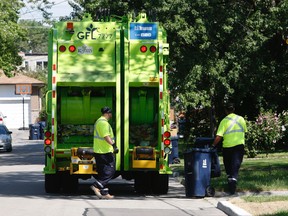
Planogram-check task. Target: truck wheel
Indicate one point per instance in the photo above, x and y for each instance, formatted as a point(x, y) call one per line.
point(160, 183)
point(52, 183)
point(142, 182)
point(69, 183)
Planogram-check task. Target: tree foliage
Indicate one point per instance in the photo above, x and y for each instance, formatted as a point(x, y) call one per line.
point(219, 49)
point(10, 35)
point(37, 37)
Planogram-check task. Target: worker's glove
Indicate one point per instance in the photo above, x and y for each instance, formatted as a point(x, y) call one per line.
point(116, 150)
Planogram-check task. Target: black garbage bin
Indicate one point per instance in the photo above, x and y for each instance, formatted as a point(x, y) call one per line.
point(174, 156)
point(42, 127)
point(198, 173)
point(197, 168)
point(34, 131)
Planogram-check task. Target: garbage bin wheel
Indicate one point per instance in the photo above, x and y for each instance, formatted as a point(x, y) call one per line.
point(210, 191)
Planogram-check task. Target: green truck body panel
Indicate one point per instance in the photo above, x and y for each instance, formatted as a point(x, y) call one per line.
point(120, 64)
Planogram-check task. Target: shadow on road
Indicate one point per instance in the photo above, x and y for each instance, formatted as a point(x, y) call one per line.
point(29, 154)
point(31, 184)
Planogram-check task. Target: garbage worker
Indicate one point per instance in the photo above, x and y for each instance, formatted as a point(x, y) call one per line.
point(104, 148)
point(232, 130)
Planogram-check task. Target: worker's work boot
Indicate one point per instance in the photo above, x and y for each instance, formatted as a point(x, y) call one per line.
point(232, 183)
point(96, 191)
point(105, 194)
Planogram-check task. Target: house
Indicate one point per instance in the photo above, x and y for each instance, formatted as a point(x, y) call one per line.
point(20, 100)
point(34, 61)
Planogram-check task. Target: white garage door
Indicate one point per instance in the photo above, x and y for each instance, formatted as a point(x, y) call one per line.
point(13, 109)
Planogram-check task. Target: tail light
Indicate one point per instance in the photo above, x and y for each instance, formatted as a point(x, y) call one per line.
point(167, 134)
point(48, 134)
point(62, 48)
point(72, 48)
point(48, 140)
point(167, 142)
point(143, 49)
point(166, 137)
point(153, 49)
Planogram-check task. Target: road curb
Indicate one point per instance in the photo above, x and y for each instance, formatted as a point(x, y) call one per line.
point(231, 210)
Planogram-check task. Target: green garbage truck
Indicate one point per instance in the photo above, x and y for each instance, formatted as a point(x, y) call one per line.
point(118, 62)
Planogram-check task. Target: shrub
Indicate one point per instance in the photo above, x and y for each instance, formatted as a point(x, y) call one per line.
point(263, 133)
point(282, 144)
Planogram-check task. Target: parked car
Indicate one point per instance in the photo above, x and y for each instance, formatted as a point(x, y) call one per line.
point(5, 139)
point(2, 118)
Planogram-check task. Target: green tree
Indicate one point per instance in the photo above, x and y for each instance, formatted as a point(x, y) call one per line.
point(228, 49)
point(219, 49)
point(10, 35)
point(37, 37)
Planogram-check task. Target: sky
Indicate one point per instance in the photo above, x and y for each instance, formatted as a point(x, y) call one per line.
point(60, 8)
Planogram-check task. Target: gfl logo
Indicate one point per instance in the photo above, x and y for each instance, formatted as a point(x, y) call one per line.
point(89, 34)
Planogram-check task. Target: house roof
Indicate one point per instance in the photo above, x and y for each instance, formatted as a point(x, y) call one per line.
point(19, 79)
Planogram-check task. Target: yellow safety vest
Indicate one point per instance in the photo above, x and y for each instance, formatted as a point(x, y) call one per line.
point(102, 128)
point(232, 128)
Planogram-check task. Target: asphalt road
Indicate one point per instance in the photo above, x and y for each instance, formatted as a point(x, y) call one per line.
point(22, 191)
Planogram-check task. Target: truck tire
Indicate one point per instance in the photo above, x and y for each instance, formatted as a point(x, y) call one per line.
point(52, 183)
point(160, 183)
point(142, 182)
point(69, 183)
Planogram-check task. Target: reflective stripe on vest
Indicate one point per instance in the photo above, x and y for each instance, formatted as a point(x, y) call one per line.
point(97, 134)
point(234, 121)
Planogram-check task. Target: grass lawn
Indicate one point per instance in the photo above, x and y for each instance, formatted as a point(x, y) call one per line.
point(259, 174)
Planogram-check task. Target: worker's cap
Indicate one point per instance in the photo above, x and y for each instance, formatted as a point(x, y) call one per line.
point(106, 110)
